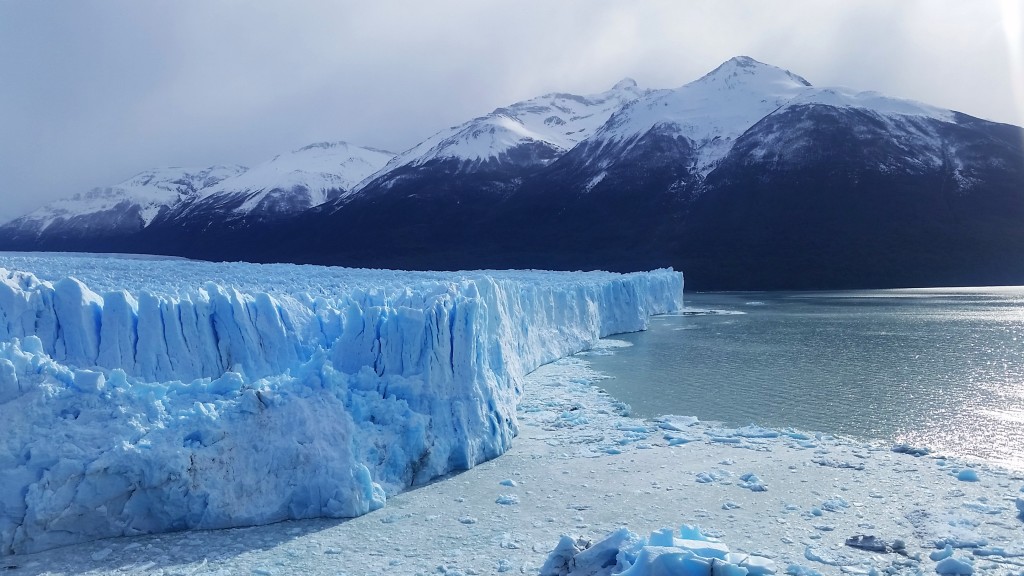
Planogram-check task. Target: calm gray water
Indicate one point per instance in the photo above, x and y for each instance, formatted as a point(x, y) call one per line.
point(942, 368)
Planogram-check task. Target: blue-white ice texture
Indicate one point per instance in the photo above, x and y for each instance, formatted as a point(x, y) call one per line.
point(153, 396)
point(691, 553)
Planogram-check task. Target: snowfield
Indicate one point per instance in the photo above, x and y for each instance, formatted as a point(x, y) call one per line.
point(149, 396)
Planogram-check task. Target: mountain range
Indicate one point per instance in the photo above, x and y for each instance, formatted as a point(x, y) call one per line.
point(747, 178)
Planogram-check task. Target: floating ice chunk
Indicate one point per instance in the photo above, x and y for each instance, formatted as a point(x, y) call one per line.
point(691, 554)
point(560, 560)
point(509, 482)
point(581, 557)
point(674, 440)
point(955, 567)
point(755, 565)
point(677, 423)
point(751, 482)
point(967, 475)
point(753, 431)
point(654, 561)
point(712, 476)
point(874, 543)
point(725, 439)
point(835, 504)
point(692, 539)
point(911, 450)
point(507, 500)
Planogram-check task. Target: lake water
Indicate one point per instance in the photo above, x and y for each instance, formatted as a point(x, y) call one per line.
point(942, 368)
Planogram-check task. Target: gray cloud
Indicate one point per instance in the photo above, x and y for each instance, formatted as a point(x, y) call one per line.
point(94, 91)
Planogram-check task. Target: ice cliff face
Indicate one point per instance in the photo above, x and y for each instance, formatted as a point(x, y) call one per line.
point(141, 407)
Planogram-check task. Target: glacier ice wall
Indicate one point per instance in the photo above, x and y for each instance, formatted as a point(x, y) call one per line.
point(173, 403)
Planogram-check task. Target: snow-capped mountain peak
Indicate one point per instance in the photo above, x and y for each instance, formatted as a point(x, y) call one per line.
point(150, 192)
point(716, 109)
point(711, 111)
point(625, 84)
point(296, 180)
point(554, 122)
point(745, 72)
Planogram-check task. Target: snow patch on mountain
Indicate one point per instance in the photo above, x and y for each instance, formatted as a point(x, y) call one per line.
point(313, 174)
point(558, 121)
point(152, 191)
point(873, 101)
point(711, 111)
point(718, 108)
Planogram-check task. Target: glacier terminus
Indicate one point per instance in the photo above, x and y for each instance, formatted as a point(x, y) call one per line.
point(143, 396)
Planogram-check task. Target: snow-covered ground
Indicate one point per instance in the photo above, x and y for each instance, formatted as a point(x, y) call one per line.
point(580, 466)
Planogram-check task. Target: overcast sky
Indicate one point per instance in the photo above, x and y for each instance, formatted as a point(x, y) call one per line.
point(92, 92)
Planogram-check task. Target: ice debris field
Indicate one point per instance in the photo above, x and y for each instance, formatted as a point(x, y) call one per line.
point(148, 396)
point(587, 489)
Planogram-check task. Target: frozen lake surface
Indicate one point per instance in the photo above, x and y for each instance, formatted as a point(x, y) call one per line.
point(936, 367)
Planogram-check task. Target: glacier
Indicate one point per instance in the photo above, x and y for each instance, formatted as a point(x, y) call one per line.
point(149, 396)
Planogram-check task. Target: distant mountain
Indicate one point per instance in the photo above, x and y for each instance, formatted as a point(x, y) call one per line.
point(116, 211)
point(287, 184)
point(747, 178)
point(173, 199)
point(529, 133)
point(491, 154)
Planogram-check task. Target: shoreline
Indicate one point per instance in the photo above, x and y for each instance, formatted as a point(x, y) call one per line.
point(581, 467)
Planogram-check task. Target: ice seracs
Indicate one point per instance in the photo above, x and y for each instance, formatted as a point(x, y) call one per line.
point(691, 553)
point(141, 397)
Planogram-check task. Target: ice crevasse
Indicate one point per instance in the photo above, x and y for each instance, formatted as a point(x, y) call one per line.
point(139, 397)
